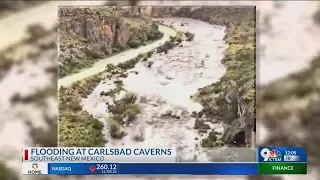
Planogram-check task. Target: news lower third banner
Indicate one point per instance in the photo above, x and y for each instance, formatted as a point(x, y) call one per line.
point(139, 168)
point(135, 161)
point(282, 160)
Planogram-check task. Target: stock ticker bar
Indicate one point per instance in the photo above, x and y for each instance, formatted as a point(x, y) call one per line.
point(282, 160)
point(146, 168)
point(135, 161)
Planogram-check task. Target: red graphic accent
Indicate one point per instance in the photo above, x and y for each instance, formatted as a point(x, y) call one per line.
point(273, 153)
point(92, 168)
point(26, 154)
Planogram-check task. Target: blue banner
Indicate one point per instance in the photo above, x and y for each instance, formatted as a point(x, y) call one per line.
point(153, 168)
point(281, 154)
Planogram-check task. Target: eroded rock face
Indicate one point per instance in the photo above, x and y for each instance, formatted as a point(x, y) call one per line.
point(244, 124)
point(87, 35)
point(100, 32)
point(230, 107)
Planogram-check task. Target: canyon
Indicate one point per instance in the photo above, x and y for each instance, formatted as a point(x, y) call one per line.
point(176, 92)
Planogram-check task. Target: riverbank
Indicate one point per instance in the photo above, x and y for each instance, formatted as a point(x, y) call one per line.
point(73, 119)
point(119, 58)
point(231, 100)
point(221, 118)
point(87, 35)
point(161, 86)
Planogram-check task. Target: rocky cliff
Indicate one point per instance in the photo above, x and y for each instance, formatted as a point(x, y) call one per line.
point(89, 34)
point(232, 99)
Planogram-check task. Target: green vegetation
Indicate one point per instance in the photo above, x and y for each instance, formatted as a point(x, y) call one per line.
point(213, 140)
point(129, 64)
point(165, 47)
point(76, 127)
point(152, 34)
point(135, 42)
point(173, 42)
point(75, 65)
point(124, 108)
point(236, 89)
point(123, 111)
point(86, 86)
point(82, 51)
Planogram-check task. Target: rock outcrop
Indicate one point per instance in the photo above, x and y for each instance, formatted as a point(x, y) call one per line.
point(232, 99)
point(89, 34)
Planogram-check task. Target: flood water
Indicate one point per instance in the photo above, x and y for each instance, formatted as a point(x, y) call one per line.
point(165, 87)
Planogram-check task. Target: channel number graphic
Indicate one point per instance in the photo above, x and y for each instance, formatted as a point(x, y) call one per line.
point(273, 155)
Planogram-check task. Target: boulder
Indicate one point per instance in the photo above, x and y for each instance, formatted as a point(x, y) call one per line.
point(149, 64)
point(235, 133)
point(199, 124)
point(166, 111)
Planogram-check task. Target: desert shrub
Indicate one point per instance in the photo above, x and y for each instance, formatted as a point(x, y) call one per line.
point(76, 127)
point(237, 86)
point(134, 42)
point(130, 97)
point(154, 34)
point(131, 111)
point(62, 72)
point(75, 65)
point(115, 129)
point(124, 75)
point(129, 64)
point(119, 46)
point(110, 67)
point(86, 133)
point(176, 38)
point(189, 36)
point(172, 38)
point(124, 108)
point(94, 53)
point(74, 105)
point(154, 25)
point(165, 47)
point(149, 54)
point(210, 140)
